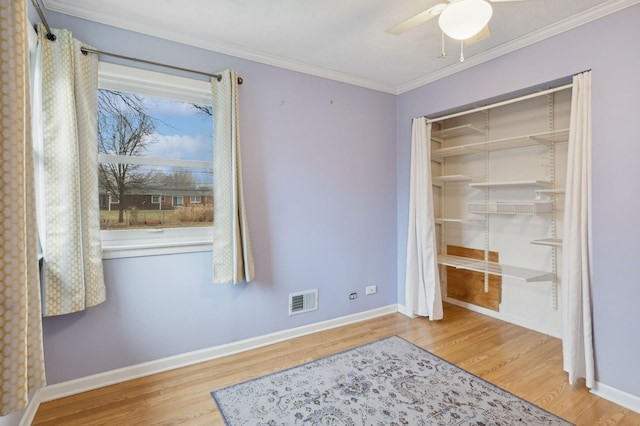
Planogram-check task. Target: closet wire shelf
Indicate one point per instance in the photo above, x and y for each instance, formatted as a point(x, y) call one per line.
point(453, 132)
point(510, 207)
point(443, 220)
point(493, 268)
point(553, 242)
point(514, 184)
point(441, 180)
point(544, 138)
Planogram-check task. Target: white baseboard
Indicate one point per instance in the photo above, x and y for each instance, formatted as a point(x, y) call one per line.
point(609, 393)
point(12, 419)
point(95, 381)
point(406, 311)
point(619, 397)
point(506, 317)
point(30, 411)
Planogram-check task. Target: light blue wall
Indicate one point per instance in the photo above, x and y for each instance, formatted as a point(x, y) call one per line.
point(319, 180)
point(327, 195)
point(609, 47)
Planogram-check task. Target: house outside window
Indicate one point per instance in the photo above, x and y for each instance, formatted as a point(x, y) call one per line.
point(171, 160)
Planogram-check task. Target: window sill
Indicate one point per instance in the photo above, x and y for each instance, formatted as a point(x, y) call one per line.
point(154, 242)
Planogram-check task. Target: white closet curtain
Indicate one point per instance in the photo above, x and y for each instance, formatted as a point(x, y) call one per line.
point(232, 256)
point(577, 334)
point(68, 189)
point(422, 285)
point(21, 353)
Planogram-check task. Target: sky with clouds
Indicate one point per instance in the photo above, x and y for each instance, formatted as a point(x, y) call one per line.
point(181, 130)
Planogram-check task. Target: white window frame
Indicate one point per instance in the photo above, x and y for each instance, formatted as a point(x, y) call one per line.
point(195, 199)
point(113, 199)
point(159, 198)
point(175, 202)
point(156, 241)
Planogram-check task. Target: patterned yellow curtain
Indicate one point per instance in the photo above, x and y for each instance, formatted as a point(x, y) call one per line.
point(21, 354)
point(232, 256)
point(70, 232)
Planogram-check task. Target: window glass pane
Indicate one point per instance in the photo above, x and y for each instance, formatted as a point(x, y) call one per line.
point(153, 193)
point(178, 201)
point(151, 190)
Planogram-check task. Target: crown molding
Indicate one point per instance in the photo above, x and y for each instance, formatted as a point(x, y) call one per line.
point(559, 27)
point(77, 9)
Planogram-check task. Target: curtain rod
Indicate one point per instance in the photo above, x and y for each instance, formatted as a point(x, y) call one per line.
point(218, 77)
point(50, 35)
point(498, 104)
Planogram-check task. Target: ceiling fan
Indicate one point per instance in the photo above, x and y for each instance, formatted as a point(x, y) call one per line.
point(459, 19)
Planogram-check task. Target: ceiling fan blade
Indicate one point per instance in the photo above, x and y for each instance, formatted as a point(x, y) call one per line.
point(416, 20)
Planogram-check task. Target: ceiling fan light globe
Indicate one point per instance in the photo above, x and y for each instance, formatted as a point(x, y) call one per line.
point(465, 18)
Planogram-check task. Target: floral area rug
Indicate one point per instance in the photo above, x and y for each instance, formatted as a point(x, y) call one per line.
point(387, 382)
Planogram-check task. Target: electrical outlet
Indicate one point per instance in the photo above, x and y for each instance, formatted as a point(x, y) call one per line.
point(353, 296)
point(371, 289)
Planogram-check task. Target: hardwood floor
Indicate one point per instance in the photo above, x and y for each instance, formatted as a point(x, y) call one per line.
point(526, 363)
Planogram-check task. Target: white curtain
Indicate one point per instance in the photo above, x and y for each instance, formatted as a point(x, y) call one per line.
point(577, 334)
point(422, 286)
point(68, 153)
point(232, 256)
point(21, 352)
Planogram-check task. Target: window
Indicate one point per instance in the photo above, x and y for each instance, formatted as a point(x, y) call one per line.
point(178, 201)
point(154, 141)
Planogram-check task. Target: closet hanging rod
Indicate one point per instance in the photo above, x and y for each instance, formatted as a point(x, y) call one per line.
point(50, 35)
point(498, 104)
point(218, 77)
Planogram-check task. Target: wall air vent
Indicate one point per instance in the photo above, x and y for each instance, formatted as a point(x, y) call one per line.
point(303, 301)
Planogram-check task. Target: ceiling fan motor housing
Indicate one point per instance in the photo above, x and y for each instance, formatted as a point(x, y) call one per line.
point(465, 18)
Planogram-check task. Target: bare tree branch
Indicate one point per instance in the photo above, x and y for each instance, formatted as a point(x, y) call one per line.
point(124, 128)
point(204, 109)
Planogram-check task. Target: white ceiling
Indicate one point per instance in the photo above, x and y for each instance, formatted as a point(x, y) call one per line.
point(343, 40)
